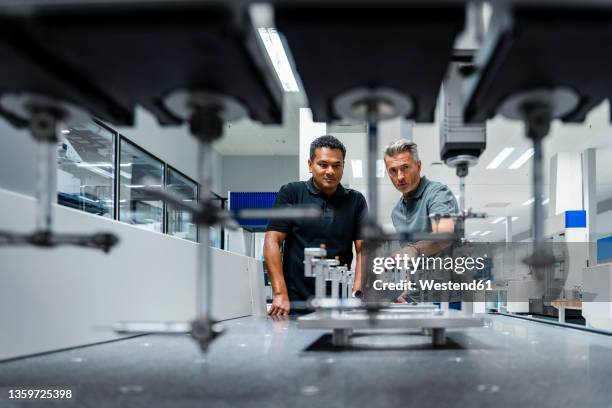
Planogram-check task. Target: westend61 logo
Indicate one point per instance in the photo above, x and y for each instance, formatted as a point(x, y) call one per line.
point(459, 265)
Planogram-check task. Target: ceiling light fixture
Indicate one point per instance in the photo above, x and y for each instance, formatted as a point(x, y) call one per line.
point(499, 219)
point(501, 156)
point(522, 159)
point(278, 56)
point(529, 202)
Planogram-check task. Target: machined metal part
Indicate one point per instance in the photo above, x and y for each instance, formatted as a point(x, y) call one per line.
point(560, 100)
point(44, 116)
point(336, 304)
point(210, 214)
point(204, 269)
point(302, 213)
point(103, 241)
point(46, 190)
point(437, 320)
point(347, 280)
point(462, 160)
point(372, 157)
point(28, 107)
point(204, 331)
point(461, 143)
point(408, 236)
point(184, 103)
point(310, 256)
point(537, 108)
point(334, 277)
point(357, 104)
point(152, 327)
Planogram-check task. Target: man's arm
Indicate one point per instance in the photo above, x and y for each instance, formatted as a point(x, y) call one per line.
point(441, 226)
point(357, 284)
point(272, 255)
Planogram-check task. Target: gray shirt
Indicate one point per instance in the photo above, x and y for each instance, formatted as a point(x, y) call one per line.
point(431, 197)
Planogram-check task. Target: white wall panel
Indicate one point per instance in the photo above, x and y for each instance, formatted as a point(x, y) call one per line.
point(65, 297)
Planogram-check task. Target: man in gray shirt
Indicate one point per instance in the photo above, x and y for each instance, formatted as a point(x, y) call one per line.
point(420, 199)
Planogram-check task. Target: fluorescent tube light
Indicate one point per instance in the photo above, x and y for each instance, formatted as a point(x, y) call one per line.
point(529, 202)
point(278, 56)
point(99, 171)
point(485, 233)
point(85, 164)
point(499, 219)
point(522, 159)
point(88, 199)
point(501, 156)
point(475, 233)
point(546, 201)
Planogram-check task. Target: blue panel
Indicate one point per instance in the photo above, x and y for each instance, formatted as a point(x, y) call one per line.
point(575, 219)
point(604, 249)
point(239, 201)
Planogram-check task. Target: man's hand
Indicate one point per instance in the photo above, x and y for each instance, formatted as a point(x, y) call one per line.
point(272, 255)
point(402, 298)
point(411, 251)
point(280, 305)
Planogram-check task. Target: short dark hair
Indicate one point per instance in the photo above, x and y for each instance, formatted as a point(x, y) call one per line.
point(326, 141)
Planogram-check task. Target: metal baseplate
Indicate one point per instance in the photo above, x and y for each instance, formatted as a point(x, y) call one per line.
point(428, 318)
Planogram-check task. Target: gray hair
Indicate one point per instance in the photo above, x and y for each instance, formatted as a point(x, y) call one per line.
point(400, 146)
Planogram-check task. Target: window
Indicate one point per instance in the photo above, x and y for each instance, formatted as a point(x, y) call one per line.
point(86, 169)
point(138, 169)
point(179, 222)
point(103, 173)
point(217, 233)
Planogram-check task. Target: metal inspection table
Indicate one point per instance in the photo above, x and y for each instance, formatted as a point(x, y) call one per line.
point(264, 363)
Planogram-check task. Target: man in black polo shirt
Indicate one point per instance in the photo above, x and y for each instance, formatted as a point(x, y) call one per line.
point(343, 211)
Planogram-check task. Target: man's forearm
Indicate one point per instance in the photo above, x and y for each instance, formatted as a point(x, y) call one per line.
point(272, 256)
point(357, 284)
point(428, 248)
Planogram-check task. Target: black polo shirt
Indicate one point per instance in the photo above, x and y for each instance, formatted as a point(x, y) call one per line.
point(342, 216)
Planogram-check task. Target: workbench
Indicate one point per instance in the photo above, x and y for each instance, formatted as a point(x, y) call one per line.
point(259, 363)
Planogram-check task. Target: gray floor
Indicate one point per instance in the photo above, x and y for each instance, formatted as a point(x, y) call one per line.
point(262, 363)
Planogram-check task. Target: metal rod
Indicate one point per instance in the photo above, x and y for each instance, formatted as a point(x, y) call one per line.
point(46, 189)
point(372, 154)
point(178, 200)
point(204, 275)
point(537, 180)
point(335, 284)
point(508, 229)
point(461, 194)
point(320, 282)
point(280, 213)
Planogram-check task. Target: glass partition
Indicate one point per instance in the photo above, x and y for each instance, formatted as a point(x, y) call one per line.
point(178, 221)
point(86, 169)
point(139, 169)
point(216, 231)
